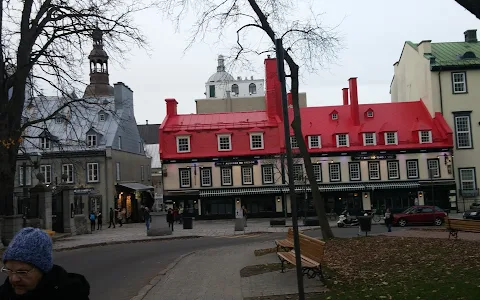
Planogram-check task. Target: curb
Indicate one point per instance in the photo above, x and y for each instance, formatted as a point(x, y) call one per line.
point(101, 244)
point(155, 280)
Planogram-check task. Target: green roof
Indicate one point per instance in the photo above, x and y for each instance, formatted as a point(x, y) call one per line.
point(452, 55)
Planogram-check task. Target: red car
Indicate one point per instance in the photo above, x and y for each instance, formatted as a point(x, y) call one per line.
point(420, 214)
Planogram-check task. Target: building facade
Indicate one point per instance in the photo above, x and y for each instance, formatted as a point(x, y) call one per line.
point(444, 77)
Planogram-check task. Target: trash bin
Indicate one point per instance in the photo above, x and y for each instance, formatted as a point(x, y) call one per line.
point(365, 224)
point(240, 224)
point(187, 223)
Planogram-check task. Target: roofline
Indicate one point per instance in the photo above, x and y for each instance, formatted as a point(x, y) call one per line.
point(455, 67)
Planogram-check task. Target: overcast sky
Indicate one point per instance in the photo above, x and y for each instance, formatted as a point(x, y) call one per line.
point(372, 31)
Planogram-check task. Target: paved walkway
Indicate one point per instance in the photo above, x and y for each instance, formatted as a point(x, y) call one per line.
point(137, 232)
point(215, 275)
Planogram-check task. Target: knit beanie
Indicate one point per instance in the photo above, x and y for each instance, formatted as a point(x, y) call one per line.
point(33, 246)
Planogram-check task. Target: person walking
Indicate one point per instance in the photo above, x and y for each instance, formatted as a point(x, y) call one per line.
point(170, 218)
point(147, 217)
point(92, 221)
point(112, 218)
point(121, 215)
point(99, 220)
point(388, 219)
point(28, 263)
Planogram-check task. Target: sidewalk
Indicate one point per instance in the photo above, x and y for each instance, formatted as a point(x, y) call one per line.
point(137, 232)
point(215, 275)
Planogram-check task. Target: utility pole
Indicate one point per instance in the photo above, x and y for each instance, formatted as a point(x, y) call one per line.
point(291, 183)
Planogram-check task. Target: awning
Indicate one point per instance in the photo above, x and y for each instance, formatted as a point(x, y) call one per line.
point(392, 185)
point(136, 186)
point(329, 188)
point(240, 191)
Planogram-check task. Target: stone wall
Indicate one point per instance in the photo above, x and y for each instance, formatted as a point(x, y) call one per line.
point(81, 225)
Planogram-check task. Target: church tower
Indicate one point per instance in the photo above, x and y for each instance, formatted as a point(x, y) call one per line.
point(99, 83)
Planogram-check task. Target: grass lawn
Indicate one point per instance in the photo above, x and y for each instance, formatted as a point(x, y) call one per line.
point(402, 268)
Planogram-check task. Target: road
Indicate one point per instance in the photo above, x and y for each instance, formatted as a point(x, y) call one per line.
point(118, 272)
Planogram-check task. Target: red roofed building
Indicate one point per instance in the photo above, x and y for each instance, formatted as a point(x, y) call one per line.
point(365, 156)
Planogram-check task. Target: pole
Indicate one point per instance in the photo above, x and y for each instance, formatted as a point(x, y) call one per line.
point(291, 183)
point(25, 192)
point(284, 199)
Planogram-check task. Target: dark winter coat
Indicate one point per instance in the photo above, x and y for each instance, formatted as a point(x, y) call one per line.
point(55, 285)
point(170, 218)
point(389, 220)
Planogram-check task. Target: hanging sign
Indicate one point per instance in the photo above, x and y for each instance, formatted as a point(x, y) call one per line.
point(235, 163)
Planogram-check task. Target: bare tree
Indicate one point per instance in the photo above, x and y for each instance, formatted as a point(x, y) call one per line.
point(42, 46)
point(306, 41)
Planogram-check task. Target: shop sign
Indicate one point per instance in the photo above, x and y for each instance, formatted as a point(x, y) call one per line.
point(235, 163)
point(374, 157)
point(83, 191)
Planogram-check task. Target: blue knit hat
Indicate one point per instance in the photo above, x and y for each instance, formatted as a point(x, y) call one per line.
point(33, 246)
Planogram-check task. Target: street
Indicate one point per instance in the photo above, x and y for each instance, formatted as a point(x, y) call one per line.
point(118, 272)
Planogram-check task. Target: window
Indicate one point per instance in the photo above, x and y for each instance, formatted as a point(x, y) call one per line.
point(211, 90)
point(425, 136)
point(293, 142)
point(226, 175)
point(314, 141)
point(224, 142)
point(92, 171)
point(28, 176)
point(370, 114)
point(334, 171)
point(459, 82)
point(267, 174)
point(247, 175)
point(102, 117)
point(235, 89)
point(412, 169)
point(342, 140)
point(433, 168)
point(391, 138)
point(393, 170)
point(117, 171)
point(354, 170)
point(374, 170)
point(59, 120)
point(185, 177)
point(317, 170)
point(67, 169)
point(46, 171)
point(463, 132)
point(120, 142)
point(44, 143)
point(142, 173)
point(252, 88)
point(334, 116)
point(206, 176)
point(256, 141)
point(298, 172)
point(92, 140)
point(183, 144)
point(467, 179)
point(369, 139)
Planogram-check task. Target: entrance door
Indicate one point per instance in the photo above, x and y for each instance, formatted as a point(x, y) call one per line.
point(57, 212)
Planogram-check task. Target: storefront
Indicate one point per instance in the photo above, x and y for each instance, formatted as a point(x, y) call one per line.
point(133, 197)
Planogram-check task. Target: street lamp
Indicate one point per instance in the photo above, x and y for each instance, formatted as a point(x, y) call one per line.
point(35, 158)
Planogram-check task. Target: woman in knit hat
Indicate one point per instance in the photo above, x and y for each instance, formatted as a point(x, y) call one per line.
point(31, 273)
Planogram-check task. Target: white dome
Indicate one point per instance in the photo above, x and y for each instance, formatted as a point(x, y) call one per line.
point(221, 74)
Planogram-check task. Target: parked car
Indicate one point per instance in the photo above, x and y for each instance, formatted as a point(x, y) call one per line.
point(472, 214)
point(420, 215)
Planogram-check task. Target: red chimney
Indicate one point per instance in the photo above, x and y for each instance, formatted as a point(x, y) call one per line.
point(171, 107)
point(345, 96)
point(273, 95)
point(352, 84)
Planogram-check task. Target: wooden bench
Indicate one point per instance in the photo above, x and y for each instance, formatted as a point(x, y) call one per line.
point(456, 225)
point(285, 244)
point(312, 253)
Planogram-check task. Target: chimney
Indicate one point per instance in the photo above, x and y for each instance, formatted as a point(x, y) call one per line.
point(171, 107)
point(345, 96)
point(352, 84)
point(273, 95)
point(470, 36)
point(147, 122)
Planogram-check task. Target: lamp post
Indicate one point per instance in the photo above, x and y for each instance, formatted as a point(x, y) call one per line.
point(35, 158)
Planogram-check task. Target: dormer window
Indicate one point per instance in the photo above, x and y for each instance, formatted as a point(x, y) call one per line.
point(183, 144)
point(293, 141)
point(370, 114)
point(314, 141)
point(101, 117)
point(256, 141)
point(252, 88)
point(425, 136)
point(224, 142)
point(334, 116)
point(369, 139)
point(45, 143)
point(91, 140)
point(342, 140)
point(391, 138)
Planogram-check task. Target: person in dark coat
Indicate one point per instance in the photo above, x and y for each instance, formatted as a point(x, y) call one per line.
point(170, 218)
point(112, 218)
point(388, 219)
point(28, 263)
point(99, 220)
point(147, 217)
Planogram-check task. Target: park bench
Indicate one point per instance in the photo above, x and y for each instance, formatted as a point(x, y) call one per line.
point(312, 255)
point(287, 243)
point(456, 225)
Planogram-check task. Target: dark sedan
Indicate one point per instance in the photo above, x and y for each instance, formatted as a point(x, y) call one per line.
point(472, 214)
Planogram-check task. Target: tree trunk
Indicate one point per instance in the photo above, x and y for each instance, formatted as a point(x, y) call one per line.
point(297, 129)
point(8, 158)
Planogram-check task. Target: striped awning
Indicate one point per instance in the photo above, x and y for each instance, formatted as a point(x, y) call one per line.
point(392, 185)
point(329, 188)
point(240, 191)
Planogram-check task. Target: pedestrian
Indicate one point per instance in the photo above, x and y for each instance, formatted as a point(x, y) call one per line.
point(147, 217)
point(170, 218)
point(112, 218)
point(388, 219)
point(99, 220)
point(176, 218)
point(28, 263)
point(244, 210)
point(121, 215)
point(92, 221)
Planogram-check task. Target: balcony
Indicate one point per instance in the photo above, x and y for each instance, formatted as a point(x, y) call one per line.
point(471, 193)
